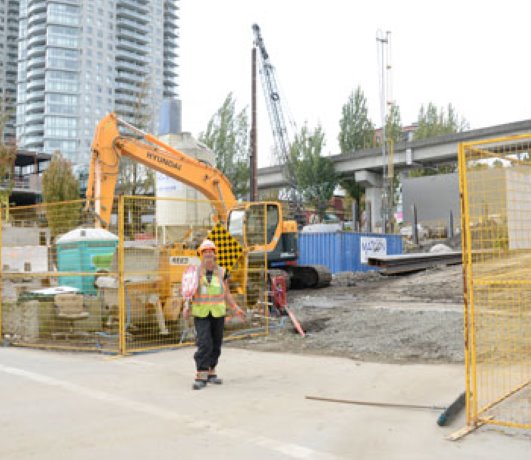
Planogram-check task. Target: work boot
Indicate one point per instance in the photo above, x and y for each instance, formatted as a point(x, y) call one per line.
point(213, 378)
point(200, 382)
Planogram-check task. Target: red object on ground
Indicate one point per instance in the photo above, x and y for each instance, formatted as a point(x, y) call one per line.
point(280, 300)
point(279, 291)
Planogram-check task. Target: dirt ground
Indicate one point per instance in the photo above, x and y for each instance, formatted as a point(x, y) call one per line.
point(416, 318)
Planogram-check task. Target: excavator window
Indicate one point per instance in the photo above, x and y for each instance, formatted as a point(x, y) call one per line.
point(236, 223)
point(256, 220)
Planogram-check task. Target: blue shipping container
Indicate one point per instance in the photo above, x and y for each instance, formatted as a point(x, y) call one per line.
point(346, 251)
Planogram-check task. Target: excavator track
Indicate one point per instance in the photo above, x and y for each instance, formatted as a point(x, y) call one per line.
point(309, 276)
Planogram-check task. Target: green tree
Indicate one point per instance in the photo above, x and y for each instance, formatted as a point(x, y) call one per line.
point(355, 191)
point(433, 121)
point(393, 125)
point(433, 171)
point(227, 135)
point(59, 184)
point(316, 177)
point(356, 129)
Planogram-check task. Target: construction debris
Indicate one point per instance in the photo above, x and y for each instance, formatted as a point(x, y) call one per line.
point(376, 404)
point(408, 263)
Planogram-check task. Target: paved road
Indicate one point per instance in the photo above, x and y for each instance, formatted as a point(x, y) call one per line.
point(86, 406)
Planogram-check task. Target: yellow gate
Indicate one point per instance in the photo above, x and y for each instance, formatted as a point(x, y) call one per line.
point(495, 186)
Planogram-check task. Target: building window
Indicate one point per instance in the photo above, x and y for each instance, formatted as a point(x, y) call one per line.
point(63, 36)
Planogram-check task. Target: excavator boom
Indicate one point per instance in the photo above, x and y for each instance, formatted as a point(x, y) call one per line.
point(109, 146)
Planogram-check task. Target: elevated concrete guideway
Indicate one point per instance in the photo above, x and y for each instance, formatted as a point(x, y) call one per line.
point(366, 165)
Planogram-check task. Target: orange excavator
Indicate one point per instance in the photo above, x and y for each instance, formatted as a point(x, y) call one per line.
point(258, 226)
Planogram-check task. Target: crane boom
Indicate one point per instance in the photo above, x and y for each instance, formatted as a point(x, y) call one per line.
point(109, 146)
point(273, 99)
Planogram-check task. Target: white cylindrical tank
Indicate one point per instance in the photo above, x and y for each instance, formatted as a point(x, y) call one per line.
point(180, 214)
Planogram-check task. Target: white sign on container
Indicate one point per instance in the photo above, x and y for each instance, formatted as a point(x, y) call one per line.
point(372, 247)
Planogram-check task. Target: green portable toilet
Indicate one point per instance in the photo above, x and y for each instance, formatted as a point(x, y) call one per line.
point(85, 250)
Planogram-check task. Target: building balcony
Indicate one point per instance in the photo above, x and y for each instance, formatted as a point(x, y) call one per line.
point(134, 4)
point(128, 45)
point(38, 28)
point(171, 13)
point(131, 11)
point(128, 87)
point(170, 52)
point(34, 96)
point(34, 142)
point(135, 25)
point(36, 18)
point(170, 84)
point(170, 94)
point(36, 61)
point(37, 40)
point(131, 67)
point(124, 109)
point(133, 16)
point(34, 85)
point(169, 71)
point(127, 98)
point(36, 6)
point(34, 130)
point(128, 34)
point(170, 31)
point(170, 43)
point(36, 51)
point(35, 73)
point(132, 78)
point(37, 118)
point(133, 57)
point(34, 107)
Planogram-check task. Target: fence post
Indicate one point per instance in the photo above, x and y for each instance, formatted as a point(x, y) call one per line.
point(1, 270)
point(415, 230)
point(121, 278)
point(451, 225)
point(368, 221)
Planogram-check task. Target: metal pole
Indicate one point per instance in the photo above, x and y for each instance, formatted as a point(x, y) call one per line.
point(451, 226)
point(415, 231)
point(376, 403)
point(381, 43)
point(253, 160)
point(122, 342)
point(1, 270)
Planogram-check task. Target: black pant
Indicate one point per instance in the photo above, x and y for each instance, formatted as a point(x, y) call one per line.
point(209, 337)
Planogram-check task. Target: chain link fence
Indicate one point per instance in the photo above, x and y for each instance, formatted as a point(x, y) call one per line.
point(495, 184)
point(68, 284)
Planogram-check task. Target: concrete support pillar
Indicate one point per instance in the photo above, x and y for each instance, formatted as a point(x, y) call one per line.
point(374, 196)
point(373, 184)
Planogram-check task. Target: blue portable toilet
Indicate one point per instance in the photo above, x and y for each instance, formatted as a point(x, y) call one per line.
point(85, 250)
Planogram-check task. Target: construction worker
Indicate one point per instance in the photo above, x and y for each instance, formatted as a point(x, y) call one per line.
point(209, 310)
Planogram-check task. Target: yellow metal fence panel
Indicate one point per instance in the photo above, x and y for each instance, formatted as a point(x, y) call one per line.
point(69, 284)
point(495, 181)
point(51, 254)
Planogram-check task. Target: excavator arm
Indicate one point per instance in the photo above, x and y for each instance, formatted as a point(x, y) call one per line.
point(109, 146)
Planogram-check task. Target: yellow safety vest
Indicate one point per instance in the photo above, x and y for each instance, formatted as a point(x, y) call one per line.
point(210, 297)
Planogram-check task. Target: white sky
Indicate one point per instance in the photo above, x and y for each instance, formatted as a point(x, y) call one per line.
point(472, 54)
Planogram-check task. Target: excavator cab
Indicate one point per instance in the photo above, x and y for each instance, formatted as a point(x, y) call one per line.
point(257, 226)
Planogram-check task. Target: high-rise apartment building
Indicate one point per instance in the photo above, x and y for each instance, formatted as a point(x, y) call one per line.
point(80, 59)
point(8, 66)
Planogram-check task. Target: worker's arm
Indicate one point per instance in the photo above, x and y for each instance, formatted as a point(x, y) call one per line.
point(231, 302)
